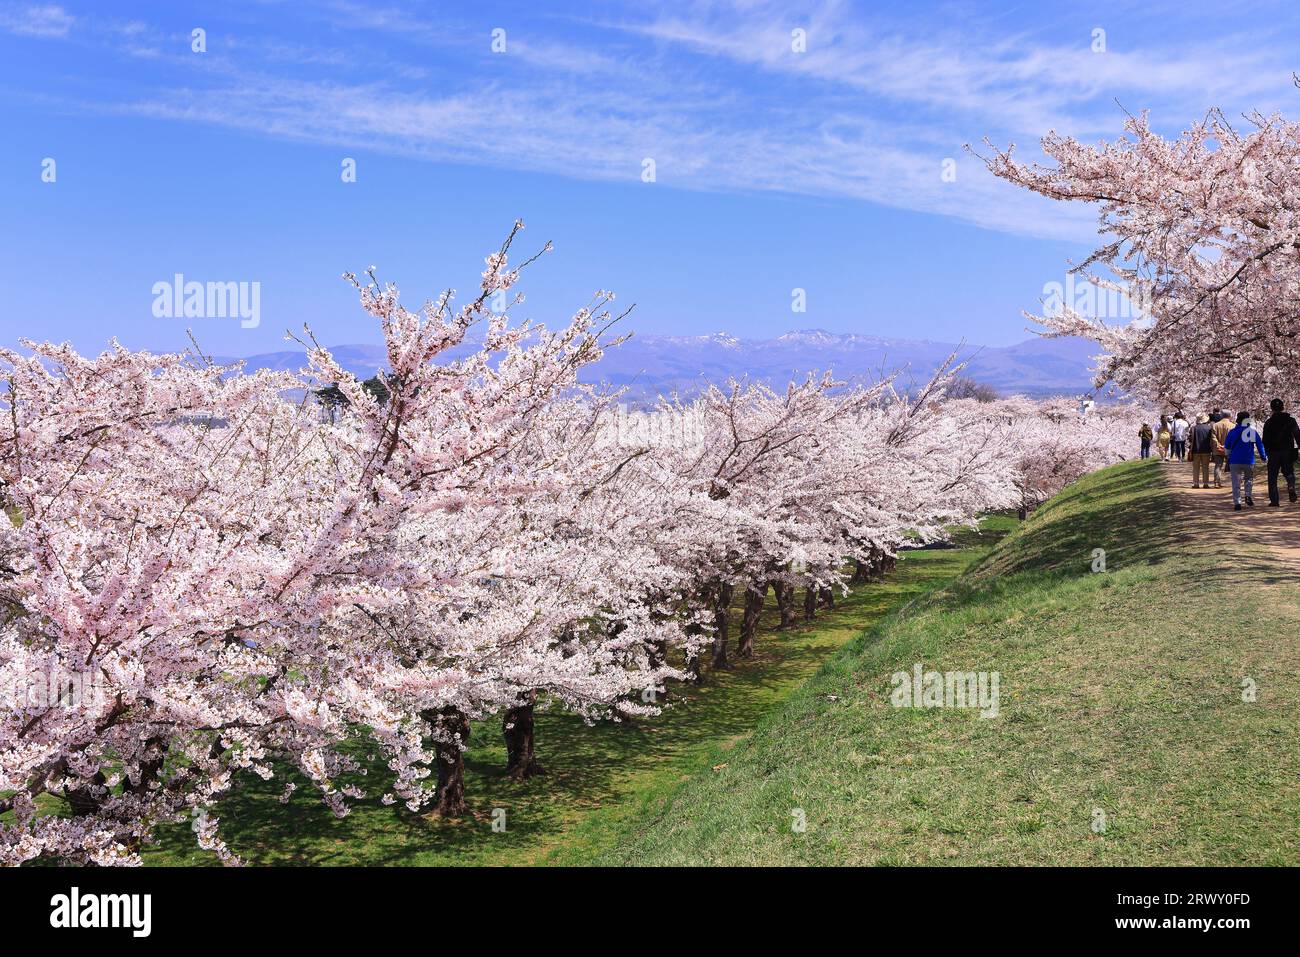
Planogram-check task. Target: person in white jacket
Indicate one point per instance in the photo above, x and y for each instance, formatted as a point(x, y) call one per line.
point(1180, 430)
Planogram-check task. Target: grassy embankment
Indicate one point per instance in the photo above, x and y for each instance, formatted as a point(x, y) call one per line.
point(1120, 692)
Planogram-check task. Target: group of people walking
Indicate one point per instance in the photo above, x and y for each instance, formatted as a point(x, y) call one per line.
point(1215, 445)
point(1170, 439)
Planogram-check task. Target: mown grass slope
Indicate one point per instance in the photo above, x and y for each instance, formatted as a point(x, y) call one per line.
point(1122, 735)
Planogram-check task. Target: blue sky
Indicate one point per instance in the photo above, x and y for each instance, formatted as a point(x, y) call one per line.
point(775, 169)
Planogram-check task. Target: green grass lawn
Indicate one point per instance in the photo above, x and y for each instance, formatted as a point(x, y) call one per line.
point(602, 780)
point(1121, 695)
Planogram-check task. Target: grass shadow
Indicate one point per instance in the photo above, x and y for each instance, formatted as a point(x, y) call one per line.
point(596, 775)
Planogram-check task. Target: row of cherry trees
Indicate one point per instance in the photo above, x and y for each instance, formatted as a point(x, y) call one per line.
point(202, 577)
point(1203, 232)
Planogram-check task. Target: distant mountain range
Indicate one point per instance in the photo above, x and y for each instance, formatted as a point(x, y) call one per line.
point(649, 365)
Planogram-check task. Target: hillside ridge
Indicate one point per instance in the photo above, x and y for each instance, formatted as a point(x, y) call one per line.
point(1123, 735)
point(660, 364)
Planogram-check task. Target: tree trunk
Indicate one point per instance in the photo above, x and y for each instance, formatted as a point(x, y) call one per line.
point(861, 571)
point(517, 728)
point(656, 653)
point(828, 597)
point(785, 603)
point(89, 799)
point(656, 657)
point(694, 661)
point(451, 760)
point(721, 621)
point(694, 665)
point(810, 602)
point(755, 596)
point(150, 769)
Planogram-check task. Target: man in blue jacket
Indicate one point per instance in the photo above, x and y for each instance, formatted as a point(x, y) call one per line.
point(1241, 445)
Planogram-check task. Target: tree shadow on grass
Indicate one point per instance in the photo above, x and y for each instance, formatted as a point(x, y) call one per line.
point(587, 767)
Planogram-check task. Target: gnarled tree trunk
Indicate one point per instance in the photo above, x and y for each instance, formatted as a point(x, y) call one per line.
point(810, 602)
point(89, 799)
point(784, 603)
point(450, 723)
point(721, 623)
point(861, 572)
point(755, 596)
point(876, 565)
point(150, 769)
point(694, 661)
point(518, 729)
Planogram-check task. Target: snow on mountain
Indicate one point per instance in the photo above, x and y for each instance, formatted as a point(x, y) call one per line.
point(652, 364)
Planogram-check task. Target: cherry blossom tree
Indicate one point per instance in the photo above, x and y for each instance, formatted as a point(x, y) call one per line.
point(1203, 233)
point(224, 572)
point(202, 577)
point(1045, 445)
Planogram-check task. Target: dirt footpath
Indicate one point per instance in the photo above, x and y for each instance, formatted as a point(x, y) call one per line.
point(1278, 529)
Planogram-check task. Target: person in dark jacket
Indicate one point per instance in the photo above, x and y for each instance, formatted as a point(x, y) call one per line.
point(1202, 448)
point(1144, 437)
point(1242, 444)
point(1281, 438)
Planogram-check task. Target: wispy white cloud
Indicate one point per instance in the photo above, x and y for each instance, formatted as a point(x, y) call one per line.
point(1010, 80)
point(37, 20)
point(714, 93)
point(597, 134)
